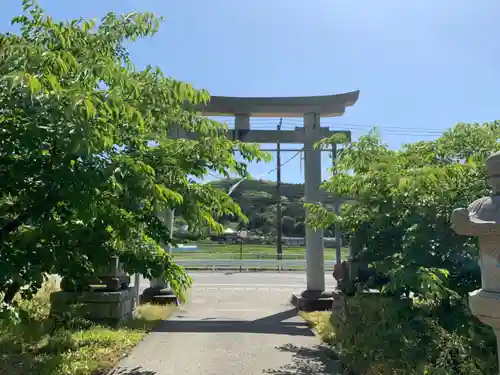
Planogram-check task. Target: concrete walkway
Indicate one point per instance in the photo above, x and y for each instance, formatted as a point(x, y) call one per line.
point(225, 332)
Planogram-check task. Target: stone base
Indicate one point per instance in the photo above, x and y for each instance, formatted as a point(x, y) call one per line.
point(110, 308)
point(100, 284)
point(485, 306)
point(312, 301)
point(159, 296)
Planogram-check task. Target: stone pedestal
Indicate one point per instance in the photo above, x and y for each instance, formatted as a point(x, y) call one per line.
point(486, 307)
point(109, 277)
point(109, 308)
point(312, 301)
point(113, 275)
point(159, 295)
point(482, 219)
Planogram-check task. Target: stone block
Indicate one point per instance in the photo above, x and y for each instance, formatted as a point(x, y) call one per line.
point(309, 303)
point(490, 262)
point(100, 307)
point(113, 275)
point(108, 277)
point(159, 295)
point(485, 306)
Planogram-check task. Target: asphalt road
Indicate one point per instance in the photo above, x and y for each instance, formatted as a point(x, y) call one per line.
point(290, 281)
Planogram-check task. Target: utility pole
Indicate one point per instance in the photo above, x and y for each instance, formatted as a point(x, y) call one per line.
point(279, 226)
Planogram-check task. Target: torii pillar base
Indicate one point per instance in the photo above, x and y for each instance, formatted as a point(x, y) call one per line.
point(159, 296)
point(312, 301)
point(159, 293)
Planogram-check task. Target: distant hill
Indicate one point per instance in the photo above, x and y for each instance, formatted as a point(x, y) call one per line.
point(291, 191)
point(258, 198)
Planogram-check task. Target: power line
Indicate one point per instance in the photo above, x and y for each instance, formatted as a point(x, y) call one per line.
point(290, 124)
point(286, 162)
point(387, 130)
point(270, 171)
point(299, 122)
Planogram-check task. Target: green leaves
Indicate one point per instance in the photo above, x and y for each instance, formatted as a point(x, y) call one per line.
point(405, 198)
point(401, 240)
point(89, 108)
point(88, 160)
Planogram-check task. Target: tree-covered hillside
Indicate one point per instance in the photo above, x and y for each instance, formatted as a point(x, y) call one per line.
point(258, 198)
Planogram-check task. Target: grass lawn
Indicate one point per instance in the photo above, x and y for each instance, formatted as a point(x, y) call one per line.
point(214, 250)
point(35, 347)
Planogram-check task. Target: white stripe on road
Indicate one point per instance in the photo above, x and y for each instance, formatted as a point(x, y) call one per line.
point(248, 288)
point(295, 289)
point(249, 285)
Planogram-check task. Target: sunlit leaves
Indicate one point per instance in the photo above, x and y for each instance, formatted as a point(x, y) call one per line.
point(404, 201)
point(90, 154)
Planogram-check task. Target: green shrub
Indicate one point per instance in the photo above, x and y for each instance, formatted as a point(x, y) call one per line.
point(388, 336)
point(401, 231)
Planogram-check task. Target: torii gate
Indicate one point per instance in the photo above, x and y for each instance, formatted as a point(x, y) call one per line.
point(311, 108)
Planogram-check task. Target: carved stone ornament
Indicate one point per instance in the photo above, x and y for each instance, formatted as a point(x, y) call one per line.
point(482, 219)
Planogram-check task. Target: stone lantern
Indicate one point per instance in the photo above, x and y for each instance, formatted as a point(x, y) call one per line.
point(482, 219)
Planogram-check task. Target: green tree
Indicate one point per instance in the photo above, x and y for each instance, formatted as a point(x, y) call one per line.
point(401, 228)
point(87, 163)
point(405, 199)
point(289, 225)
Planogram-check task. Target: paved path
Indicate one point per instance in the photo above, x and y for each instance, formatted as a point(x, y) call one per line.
point(234, 324)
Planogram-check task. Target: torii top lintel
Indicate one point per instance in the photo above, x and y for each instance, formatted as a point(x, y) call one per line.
point(297, 106)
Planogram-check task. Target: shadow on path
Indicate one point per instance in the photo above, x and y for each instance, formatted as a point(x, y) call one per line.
point(317, 360)
point(273, 324)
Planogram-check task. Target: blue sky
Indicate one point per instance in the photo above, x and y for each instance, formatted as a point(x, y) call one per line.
point(421, 65)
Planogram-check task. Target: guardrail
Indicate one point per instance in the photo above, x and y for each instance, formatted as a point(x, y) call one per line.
point(246, 264)
point(238, 256)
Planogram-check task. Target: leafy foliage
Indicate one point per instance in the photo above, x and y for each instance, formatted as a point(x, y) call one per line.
point(387, 336)
point(405, 198)
point(400, 228)
point(88, 163)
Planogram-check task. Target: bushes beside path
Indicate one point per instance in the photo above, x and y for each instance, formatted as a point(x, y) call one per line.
point(381, 336)
point(31, 343)
point(402, 244)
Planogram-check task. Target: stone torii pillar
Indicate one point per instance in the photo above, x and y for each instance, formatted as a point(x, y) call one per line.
point(315, 267)
point(311, 109)
point(482, 219)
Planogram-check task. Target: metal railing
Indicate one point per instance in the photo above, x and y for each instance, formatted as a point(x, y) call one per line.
point(247, 264)
point(236, 256)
